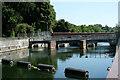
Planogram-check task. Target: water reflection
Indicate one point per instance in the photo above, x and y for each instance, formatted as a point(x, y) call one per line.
point(52, 52)
point(101, 52)
point(20, 72)
point(91, 59)
point(15, 55)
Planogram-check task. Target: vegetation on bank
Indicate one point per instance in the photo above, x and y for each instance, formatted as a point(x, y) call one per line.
point(27, 17)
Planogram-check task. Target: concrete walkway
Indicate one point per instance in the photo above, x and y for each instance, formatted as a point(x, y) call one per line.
point(114, 73)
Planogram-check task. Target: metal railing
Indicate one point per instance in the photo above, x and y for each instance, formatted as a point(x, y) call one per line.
point(47, 36)
point(61, 38)
point(83, 38)
point(12, 38)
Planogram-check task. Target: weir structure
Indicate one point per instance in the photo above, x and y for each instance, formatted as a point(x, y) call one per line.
point(55, 40)
point(82, 39)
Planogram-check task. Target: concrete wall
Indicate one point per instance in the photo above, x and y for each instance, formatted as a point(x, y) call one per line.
point(8, 45)
point(113, 73)
point(0, 71)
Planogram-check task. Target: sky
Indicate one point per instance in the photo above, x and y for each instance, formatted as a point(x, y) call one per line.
point(87, 12)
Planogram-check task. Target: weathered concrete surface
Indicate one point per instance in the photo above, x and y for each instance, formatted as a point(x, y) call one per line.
point(52, 44)
point(83, 44)
point(9, 45)
point(114, 73)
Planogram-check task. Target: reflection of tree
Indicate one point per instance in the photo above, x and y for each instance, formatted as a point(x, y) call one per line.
point(35, 58)
point(64, 56)
point(51, 60)
point(70, 51)
point(22, 72)
point(43, 57)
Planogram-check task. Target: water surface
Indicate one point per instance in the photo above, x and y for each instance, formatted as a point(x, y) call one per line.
point(91, 59)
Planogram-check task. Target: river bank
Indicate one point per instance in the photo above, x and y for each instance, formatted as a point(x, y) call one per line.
point(113, 73)
point(10, 45)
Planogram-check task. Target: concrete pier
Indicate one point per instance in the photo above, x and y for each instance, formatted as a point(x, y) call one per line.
point(83, 44)
point(52, 44)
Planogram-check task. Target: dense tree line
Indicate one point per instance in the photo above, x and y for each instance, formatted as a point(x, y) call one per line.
point(27, 17)
point(65, 26)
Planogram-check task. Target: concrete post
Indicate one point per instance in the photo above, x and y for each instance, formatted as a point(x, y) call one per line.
point(96, 44)
point(46, 45)
point(0, 70)
point(31, 45)
point(83, 44)
point(52, 44)
point(93, 44)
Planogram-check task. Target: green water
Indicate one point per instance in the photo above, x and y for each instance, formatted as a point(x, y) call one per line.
point(90, 59)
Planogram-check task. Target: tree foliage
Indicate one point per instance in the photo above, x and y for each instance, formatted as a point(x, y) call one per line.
point(24, 28)
point(27, 17)
point(39, 15)
point(65, 26)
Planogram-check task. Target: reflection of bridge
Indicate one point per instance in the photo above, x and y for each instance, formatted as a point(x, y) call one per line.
point(55, 38)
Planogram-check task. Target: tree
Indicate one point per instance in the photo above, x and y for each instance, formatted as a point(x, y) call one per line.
point(24, 28)
point(62, 26)
point(11, 18)
point(38, 14)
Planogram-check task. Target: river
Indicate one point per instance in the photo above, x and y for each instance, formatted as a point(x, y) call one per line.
point(92, 59)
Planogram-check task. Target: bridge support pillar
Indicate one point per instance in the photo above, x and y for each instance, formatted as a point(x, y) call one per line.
point(52, 44)
point(96, 44)
point(46, 45)
point(113, 43)
point(30, 45)
point(83, 44)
